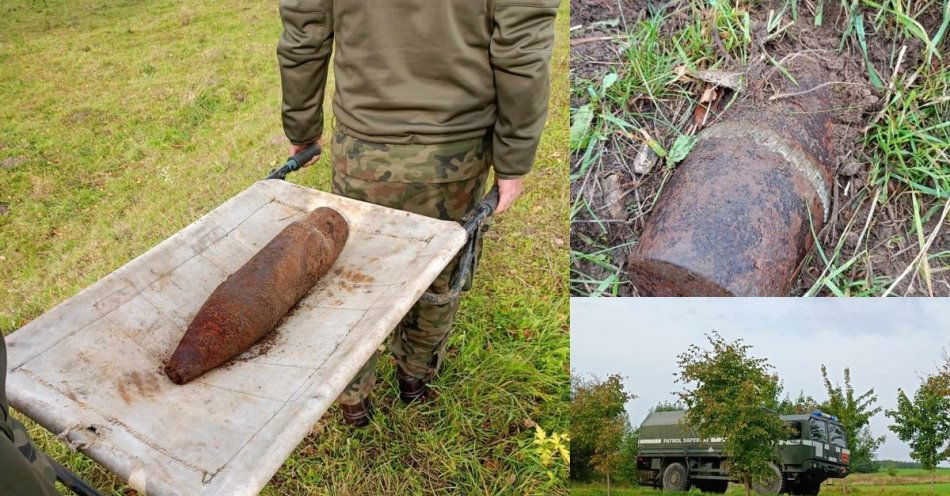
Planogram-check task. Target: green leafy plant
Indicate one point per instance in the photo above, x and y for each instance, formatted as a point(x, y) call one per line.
point(732, 395)
point(854, 412)
point(680, 149)
point(553, 453)
point(924, 423)
point(599, 426)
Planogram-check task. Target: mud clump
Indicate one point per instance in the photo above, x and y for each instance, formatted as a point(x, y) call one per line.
point(251, 302)
point(143, 384)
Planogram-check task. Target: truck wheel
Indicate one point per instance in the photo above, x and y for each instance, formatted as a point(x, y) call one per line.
point(775, 484)
point(675, 478)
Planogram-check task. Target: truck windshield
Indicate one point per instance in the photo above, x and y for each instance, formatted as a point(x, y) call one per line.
point(837, 436)
point(819, 430)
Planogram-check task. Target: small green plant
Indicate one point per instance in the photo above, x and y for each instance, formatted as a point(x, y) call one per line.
point(553, 453)
point(680, 149)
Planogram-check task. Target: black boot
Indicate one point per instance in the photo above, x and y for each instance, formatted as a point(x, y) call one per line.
point(410, 388)
point(358, 415)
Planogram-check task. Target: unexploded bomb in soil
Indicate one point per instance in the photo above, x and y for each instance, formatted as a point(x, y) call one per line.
point(251, 301)
point(736, 217)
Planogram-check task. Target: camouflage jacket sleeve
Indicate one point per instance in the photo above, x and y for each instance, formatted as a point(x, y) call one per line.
point(304, 56)
point(521, 46)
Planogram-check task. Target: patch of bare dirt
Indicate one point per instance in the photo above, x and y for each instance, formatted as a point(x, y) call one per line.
point(595, 26)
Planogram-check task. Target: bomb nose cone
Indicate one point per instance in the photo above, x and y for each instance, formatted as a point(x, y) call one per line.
point(183, 365)
point(173, 374)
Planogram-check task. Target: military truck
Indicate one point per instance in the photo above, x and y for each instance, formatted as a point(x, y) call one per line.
point(672, 457)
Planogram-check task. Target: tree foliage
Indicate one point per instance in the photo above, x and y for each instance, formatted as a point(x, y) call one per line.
point(732, 395)
point(854, 412)
point(897, 464)
point(924, 422)
point(668, 406)
point(627, 471)
point(599, 426)
point(801, 405)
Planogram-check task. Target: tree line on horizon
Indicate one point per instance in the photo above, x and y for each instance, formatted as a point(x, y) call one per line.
point(604, 443)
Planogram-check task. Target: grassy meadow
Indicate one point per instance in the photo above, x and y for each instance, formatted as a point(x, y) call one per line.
point(121, 122)
point(906, 482)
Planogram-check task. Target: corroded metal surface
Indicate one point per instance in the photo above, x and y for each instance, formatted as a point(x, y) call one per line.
point(736, 216)
point(250, 302)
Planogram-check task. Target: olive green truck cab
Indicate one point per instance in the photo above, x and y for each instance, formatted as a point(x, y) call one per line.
point(672, 457)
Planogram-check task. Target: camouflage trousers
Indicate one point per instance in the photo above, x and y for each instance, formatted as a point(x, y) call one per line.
point(444, 181)
point(23, 468)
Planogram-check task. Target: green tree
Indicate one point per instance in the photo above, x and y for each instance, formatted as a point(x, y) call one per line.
point(629, 450)
point(608, 456)
point(599, 426)
point(924, 423)
point(854, 412)
point(732, 395)
point(803, 404)
point(668, 406)
point(940, 382)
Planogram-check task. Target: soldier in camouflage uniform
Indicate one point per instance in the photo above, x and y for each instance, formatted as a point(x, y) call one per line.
point(430, 97)
point(24, 470)
point(442, 181)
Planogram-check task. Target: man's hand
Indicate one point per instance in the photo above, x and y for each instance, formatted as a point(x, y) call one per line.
point(295, 149)
point(508, 191)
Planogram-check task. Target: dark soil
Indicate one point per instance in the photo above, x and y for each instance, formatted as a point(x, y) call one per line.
point(594, 24)
point(806, 50)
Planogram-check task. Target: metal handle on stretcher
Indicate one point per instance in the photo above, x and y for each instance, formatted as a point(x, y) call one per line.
point(70, 480)
point(474, 223)
point(296, 162)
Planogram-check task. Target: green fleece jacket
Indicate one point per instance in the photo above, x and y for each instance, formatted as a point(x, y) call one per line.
point(421, 71)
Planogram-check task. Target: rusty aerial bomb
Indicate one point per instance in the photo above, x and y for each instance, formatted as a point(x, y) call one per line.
point(736, 217)
point(250, 302)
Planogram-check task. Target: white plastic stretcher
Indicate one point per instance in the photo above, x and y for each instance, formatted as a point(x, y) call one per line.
point(90, 369)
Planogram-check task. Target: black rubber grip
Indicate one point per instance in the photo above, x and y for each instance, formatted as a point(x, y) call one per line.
point(296, 162)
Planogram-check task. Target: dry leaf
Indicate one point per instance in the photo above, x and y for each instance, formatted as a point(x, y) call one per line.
point(613, 197)
point(644, 160)
point(680, 72)
point(709, 97)
point(710, 94)
point(728, 79)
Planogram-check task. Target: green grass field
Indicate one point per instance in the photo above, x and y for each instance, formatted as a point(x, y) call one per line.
point(122, 122)
point(907, 482)
point(889, 490)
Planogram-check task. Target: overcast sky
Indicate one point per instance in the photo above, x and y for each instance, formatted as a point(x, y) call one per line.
point(887, 343)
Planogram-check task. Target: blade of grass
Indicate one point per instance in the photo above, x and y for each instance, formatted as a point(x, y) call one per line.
point(919, 227)
point(872, 73)
point(923, 251)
